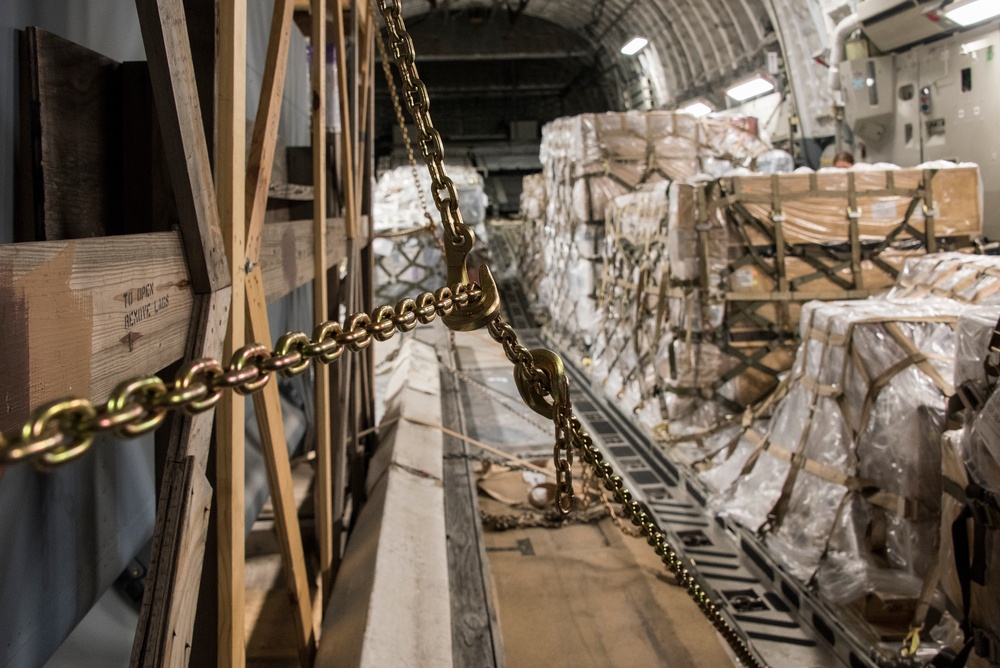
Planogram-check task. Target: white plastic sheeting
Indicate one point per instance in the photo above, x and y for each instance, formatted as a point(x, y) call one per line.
point(397, 204)
point(591, 159)
point(859, 512)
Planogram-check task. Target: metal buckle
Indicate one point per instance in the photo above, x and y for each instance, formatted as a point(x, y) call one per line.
point(475, 315)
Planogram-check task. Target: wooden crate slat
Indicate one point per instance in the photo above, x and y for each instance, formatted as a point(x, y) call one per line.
point(90, 313)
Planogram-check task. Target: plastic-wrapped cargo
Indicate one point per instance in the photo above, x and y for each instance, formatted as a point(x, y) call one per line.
point(590, 160)
point(397, 203)
point(405, 265)
point(977, 527)
point(823, 207)
point(728, 377)
point(973, 279)
point(741, 270)
point(845, 483)
point(620, 151)
point(732, 137)
point(775, 162)
point(630, 319)
point(533, 197)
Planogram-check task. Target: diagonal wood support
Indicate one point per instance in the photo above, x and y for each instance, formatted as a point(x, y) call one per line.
point(267, 403)
point(166, 618)
point(171, 69)
point(326, 487)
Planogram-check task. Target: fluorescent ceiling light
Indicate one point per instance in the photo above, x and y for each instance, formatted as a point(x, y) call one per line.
point(697, 109)
point(635, 45)
point(974, 12)
point(749, 89)
point(972, 47)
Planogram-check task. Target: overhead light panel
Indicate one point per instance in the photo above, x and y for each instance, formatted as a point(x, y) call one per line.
point(974, 12)
point(697, 109)
point(749, 89)
point(635, 45)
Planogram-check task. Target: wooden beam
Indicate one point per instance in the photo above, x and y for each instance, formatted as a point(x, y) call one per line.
point(279, 474)
point(366, 40)
point(90, 313)
point(86, 314)
point(287, 258)
point(165, 37)
point(265, 128)
point(166, 619)
point(325, 490)
point(231, 180)
point(350, 205)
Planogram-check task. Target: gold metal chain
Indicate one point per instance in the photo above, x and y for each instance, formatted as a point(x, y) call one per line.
point(398, 110)
point(62, 431)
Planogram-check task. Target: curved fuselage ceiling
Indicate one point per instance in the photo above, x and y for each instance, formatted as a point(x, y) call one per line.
point(820, 73)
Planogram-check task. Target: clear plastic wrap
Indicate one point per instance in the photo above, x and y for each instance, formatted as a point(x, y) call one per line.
point(397, 202)
point(674, 145)
point(729, 137)
point(953, 473)
point(592, 165)
point(973, 279)
point(533, 197)
point(865, 413)
point(640, 216)
point(691, 206)
point(823, 218)
point(775, 161)
point(975, 328)
point(981, 451)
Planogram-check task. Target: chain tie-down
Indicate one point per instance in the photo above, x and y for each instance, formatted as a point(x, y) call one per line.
point(61, 431)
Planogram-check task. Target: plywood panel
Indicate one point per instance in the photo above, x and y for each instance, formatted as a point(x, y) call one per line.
point(69, 146)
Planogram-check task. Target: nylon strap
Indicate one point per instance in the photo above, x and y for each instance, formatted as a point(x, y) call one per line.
point(853, 217)
point(930, 212)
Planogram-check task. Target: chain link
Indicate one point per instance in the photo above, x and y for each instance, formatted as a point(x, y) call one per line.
point(62, 431)
point(394, 96)
point(428, 139)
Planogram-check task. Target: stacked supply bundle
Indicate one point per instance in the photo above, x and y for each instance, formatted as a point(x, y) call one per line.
point(855, 484)
point(631, 316)
point(973, 279)
point(591, 159)
point(845, 481)
point(970, 506)
point(747, 251)
point(398, 205)
point(407, 257)
point(530, 258)
point(533, 198)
